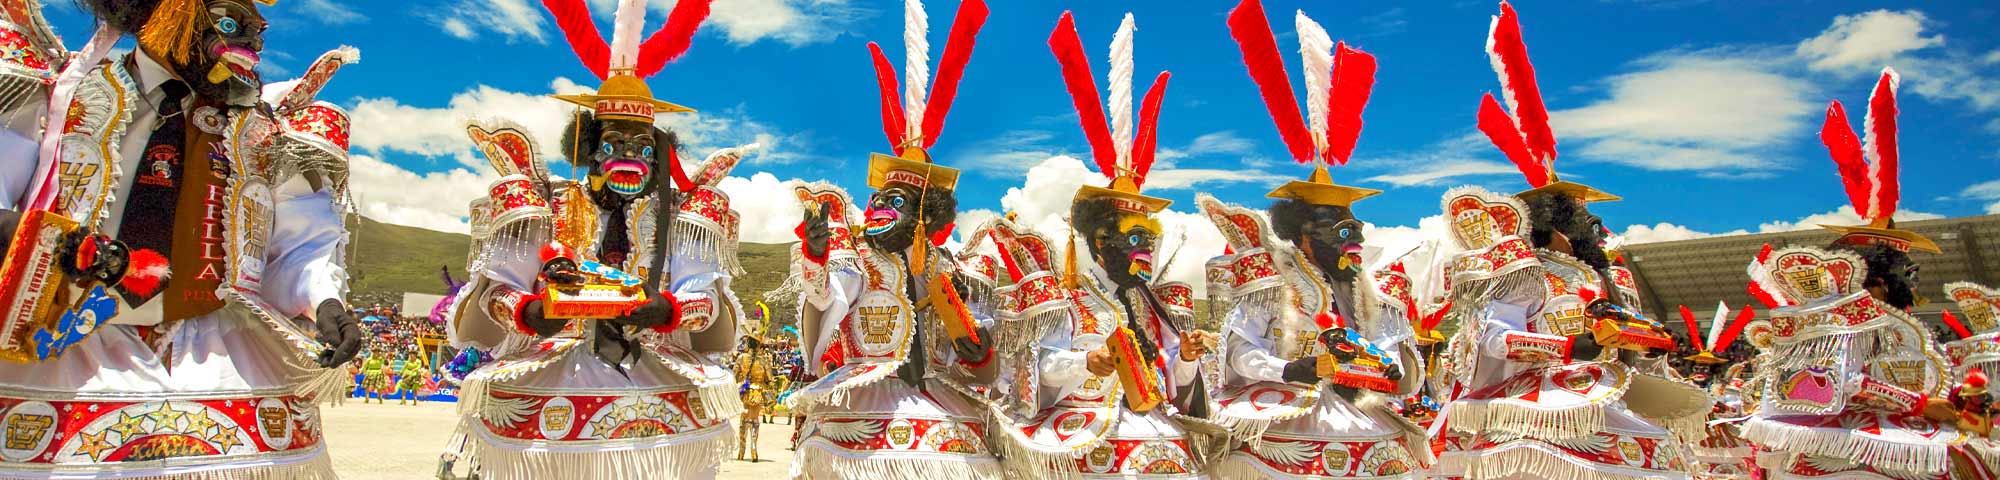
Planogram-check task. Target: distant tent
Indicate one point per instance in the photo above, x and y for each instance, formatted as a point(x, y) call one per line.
point(371, 319)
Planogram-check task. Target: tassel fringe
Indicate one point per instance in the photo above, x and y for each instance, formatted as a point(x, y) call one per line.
point(318, 467)
point(1528, 462)
point(817, 461)
point(1774, 436)
point(685, 455)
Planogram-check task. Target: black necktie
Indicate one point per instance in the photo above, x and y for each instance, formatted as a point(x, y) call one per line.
point(149, 210)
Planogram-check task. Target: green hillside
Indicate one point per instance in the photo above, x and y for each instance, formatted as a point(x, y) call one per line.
point(388, 260)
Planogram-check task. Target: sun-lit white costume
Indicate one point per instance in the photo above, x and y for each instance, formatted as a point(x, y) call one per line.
point(229, 390)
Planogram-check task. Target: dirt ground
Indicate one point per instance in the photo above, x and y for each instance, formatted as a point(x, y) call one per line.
point(401, 442)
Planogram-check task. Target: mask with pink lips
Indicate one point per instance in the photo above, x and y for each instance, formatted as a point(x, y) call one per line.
point(1333, 244)
point(623, 162)
point(1126, 256)
point(226, 66)
point(889, 221)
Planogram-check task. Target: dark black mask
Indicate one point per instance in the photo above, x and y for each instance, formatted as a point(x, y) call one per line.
point(890, 221)
point(1329, 235)
point(1566, 215)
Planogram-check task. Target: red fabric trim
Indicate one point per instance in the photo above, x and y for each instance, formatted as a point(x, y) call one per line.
point(674, 320)
point(521, 306)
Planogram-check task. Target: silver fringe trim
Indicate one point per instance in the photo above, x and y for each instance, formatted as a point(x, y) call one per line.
point(319, 467)
point(1529, 462)
point(817, 462)
point(678, 456)
point(1484, 416)
point(1774, 436)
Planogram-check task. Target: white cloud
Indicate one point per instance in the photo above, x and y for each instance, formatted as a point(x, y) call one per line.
point(1437, 173)
point(1987, 191)
point(742, 22)
point(326, 11)
point(1861, 44)
point(1840, 216)
point(387, 125)
point(769, 210)
point(437, 201)
point(1668, 232)
point(1866, 40)
point(1015, 152)
point(512, 19)
point(1711, 110)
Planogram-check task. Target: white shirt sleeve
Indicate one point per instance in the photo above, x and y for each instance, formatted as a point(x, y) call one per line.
point(305, 254)
point(1250, 353)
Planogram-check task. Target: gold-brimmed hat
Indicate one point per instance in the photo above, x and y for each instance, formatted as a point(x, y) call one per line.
point(625, 63)
point(1127, 159)
point(624, 96)
point(1524, 136)
point(1870, 176)
point(1338, 91)
point(913, 167)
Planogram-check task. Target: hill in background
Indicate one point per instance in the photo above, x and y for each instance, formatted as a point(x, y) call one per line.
point(387, 260)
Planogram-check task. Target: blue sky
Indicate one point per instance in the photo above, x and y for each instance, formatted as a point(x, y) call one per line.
point(1703, 115)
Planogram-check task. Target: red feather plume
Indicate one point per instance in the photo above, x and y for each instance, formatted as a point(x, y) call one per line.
point(1735, 328)
point(893, 123)
point(146, 271)
point(1694, 327)
point(1147, 138)
point(1063, 42)
point(673, 38)
point(1956, 326)
point(1353, 79)
point(957, 52)
point(1517, 77)
point(573, 18)
point(679, 175)
point(1500, 129)
point(1260, 52)
point(1845, 148)
point(1882, 165)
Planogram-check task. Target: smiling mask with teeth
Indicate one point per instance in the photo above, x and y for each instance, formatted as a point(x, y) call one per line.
point(621, 156)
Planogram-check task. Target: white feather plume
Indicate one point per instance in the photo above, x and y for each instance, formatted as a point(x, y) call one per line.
point(626, 28)
point(1871, 147)
point(1121, 91)
point(1715, 326)
point(916, 63)
point(1317, 48)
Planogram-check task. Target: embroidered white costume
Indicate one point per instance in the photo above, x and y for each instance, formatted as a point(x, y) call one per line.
point(230, 393)
point(553, 406)
point(1524, 407)
point(1296, 430)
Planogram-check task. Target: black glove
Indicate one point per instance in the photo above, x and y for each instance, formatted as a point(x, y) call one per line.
point(658, 310)
point(973, 352)
point(1304, 370)
point(338, 328)
point(1585, 348)
point(531, 315)
point(817, 232)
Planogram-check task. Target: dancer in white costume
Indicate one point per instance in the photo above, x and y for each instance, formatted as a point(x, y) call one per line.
point(885, 297)
point(205, 210)
point(1554, 376)
point(1320, 349)
point(1102, 385)
point(605, 300)
point(1853, 385)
